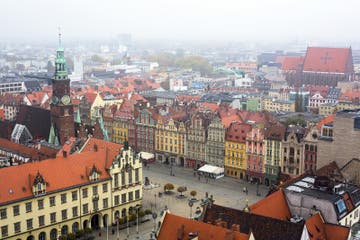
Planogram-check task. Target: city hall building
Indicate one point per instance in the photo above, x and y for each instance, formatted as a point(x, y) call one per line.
point(86, 189)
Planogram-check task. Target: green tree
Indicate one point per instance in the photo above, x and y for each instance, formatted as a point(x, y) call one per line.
point(168, 187)
point(181, 189)
point(97, 58)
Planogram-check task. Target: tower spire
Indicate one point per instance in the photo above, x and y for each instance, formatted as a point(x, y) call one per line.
point(59, 45)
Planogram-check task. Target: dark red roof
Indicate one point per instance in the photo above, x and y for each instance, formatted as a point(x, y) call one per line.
point(237, 132)
point(335, 60)
point(292, 63)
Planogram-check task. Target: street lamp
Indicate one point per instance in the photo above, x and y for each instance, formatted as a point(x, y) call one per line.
point(190, 203)
point(154, 216)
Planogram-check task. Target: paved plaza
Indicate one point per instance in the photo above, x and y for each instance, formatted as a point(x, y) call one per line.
point(226, 191)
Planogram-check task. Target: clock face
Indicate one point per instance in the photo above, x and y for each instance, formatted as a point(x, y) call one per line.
point(65, 100)
point(54, 99)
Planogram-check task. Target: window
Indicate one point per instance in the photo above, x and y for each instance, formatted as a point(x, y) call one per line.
point(52, 201)
point(28, 207)
point(53, 217)
point(116, 200)
point(340, 205)
point(105, 203)
point(116, 180)
point(75, 211)
point(85, 208)
point(17, 227)
point(74, 195)
point(64, 214)
point(105, 187)
point(16, 210)
point(95, 190)
point(63, 198)
point(85, 193)
point(357, 123)
point(4, 231)
point(137, 175)
point(123, 198)
point(130, 176)
point(122, 179)
point(29, 223)
point(40, 204)
point(131, 196)
point(137, 194)
point(3, 214)
point(41, 220)
point(96, 205)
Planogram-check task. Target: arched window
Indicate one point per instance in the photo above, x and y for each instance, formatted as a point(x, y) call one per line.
point(53, 234)
point(64, 230)
point(75, 227)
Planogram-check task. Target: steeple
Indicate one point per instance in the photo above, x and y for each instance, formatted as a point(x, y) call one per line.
point(60, 62)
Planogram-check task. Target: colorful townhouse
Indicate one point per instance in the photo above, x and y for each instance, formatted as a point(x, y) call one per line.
point(235, 160)
point(255, 151)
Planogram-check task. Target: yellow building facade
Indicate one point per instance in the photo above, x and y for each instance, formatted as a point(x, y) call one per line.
point(170, 141)
point(271, 105)
point(60, 196)
point(235, 150)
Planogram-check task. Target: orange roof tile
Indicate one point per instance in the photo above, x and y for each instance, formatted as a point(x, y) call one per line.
point(292, 63)
point(59, 173)
point(350, 95)
point(318, 229)
point(325, 120)
point(274, 206)
point(321, 59)
point(114, 148)
point(172, 224)
point(237, 132)
point(211, 106)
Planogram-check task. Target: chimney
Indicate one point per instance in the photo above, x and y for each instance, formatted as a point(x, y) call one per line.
point(64, 153)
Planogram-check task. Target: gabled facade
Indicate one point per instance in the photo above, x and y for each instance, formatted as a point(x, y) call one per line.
point(293, 151)
point(196, 140)
point(145, 130)
point(310, 149)
point(170, 141)
point(215, 145)
point(255, 151)
point(273, 153)
point(235, 160)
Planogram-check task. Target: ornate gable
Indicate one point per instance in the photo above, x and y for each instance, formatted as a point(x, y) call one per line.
point(94, 174)
point(39, 185)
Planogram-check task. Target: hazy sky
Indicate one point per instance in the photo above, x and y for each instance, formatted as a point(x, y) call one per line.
point(229, 20)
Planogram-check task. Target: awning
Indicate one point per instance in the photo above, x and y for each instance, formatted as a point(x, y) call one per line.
point(212, 170)
point(146, 155)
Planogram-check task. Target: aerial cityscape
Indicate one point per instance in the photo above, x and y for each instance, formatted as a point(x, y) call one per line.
point(179, 120)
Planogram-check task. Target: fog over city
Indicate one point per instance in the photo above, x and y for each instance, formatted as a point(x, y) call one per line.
point(228, 20)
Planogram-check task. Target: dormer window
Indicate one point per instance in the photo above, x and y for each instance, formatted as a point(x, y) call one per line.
point(39, 185)
point(94, 174)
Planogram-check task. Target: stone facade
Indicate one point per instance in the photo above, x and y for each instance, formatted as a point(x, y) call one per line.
point(215, 145)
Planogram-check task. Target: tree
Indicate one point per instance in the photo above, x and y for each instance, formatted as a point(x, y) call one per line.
point(193, 194)
point(168, 187)
point(97, 58)
point(297, 120)
point(181, 189)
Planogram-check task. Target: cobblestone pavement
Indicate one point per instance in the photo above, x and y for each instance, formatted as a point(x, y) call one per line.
point(226, 191)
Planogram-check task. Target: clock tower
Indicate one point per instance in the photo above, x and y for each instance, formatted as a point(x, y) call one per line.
point(62, 110)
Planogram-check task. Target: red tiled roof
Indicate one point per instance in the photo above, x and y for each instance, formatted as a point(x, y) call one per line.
point(318, 229)
point(172, 225)
point(325, 120)
point(114, 148)
point(21, 149)
point(2, 114)
point(211, 106)
point(274, 206)
point(323, 90)
point(90, 97)
point(280, 59)
point(292, 63)
point(35, 97)
point(321, 59)
point(237, 132)
point(351, 95)
point(59, 173)
point(188, 98)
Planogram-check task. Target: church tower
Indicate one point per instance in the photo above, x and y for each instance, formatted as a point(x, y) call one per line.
point(62, 110)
